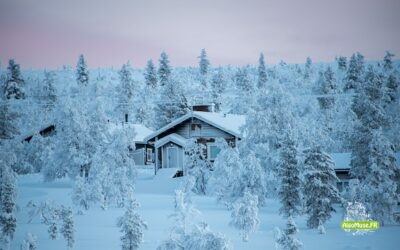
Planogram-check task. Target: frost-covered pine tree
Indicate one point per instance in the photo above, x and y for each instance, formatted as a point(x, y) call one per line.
point(262, 73)
point(150, 74)
point(320, 191)
point(367, 106)
point(49, 91)
point(8, 195)
point(242, 79)
point(218, 85)
point(355, 71)
point(287, 239)
point(164, 69)
point(308, 68)
point(245, 215)
point(125, 91)
point(7, 121)
point(197, 165)
point(342, 63)
point(13, 88)
point(204, 65)
point(29, 243)
point(82, 72)
point(172, 103)
point(289, 174)
point(388, 61)
point(328, 88)
point(380, 183)
point(67, 228)
point(131, 226)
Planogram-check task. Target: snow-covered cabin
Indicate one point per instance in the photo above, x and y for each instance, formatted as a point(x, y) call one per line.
point(342, 168)
point(169, 141)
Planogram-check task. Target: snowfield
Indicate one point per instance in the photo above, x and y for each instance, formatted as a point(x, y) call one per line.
point(97, 228)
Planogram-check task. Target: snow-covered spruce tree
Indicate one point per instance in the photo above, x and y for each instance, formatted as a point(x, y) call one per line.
point(265, 125)
point(308, 68)
point(125, 92)
point(13, 88)
point(67, 228)
point(7, 121)
point(48, 91)
point(388, 61)
point(245, 215)
point(131, 226)
point(262, 73)
point(287, 240)
point(197, 165)
point(204, 64)
point(8, 195)
point(380, 182)
point(150, 75)
point(172, 103)
point(82, 72)
point(327, 88)
point(218, 85)
point(164, 69)
point(289, 174)
point(367, 106)
point(242, 79)
point(355, 72)
point(320, 191)
point(342, 63)
point(29, 243)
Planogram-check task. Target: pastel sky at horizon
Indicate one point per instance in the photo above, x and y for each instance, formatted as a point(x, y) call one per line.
point(52, 33)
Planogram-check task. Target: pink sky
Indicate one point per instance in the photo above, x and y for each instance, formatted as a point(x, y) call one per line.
point(51, 33)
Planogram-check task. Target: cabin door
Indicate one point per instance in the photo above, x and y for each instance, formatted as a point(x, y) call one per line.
point(172, 157)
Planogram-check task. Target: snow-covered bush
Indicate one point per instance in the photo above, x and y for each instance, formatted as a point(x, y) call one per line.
point(245, 215)
point(131, 226)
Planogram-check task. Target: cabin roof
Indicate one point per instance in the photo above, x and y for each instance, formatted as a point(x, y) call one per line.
point(181, 141)
point(227, 122)
point(141, 131)
point(342, 160)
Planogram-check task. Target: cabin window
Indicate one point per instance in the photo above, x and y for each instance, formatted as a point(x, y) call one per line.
point(149, 155)
point(212, 151)
point(195, 126)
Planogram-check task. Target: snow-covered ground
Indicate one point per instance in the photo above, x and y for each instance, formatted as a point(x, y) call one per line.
point(97, 228)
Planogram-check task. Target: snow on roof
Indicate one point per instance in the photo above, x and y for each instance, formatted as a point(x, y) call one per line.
point(341, 160)
point(227, 122)
point(172, 137)
point(141, 131)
